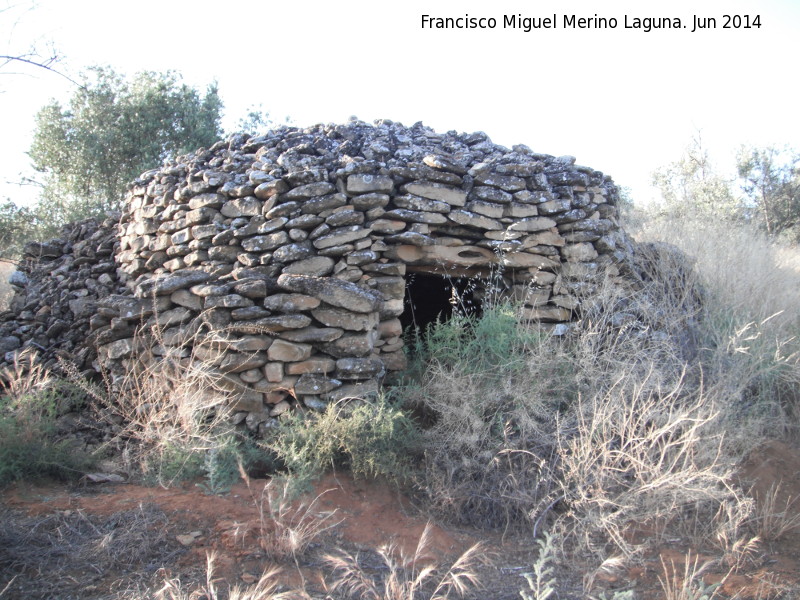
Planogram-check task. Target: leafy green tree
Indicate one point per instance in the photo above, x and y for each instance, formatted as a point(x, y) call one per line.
point(693, 183)
point(113, 130)
point(770, 177)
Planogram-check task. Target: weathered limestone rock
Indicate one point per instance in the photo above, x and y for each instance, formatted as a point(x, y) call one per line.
point(284, 351)
point(312, 334)
point(291, 303)
point(437, 191)
point(333, 291)
point(165, 285)
point(318, 266)
point(345, 319)
point(351, 345)
point(315, 384)
point(359, 368)
point(312, 365)
point(365, 183)
point(242, 207)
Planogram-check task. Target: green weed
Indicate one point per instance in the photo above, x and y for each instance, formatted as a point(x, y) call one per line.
point(221, 466)
point(541, 582)
point(31, 400)
point(373, 438)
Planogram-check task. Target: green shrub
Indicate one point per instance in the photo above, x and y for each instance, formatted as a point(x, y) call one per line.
point(223, 462)
point(474, 343)
point(490, 390)
point(171, 462)
point(372, 438)
point(30, 446)
point(541, 581)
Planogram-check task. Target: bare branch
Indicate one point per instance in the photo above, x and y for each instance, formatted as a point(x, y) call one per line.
point(45, 64)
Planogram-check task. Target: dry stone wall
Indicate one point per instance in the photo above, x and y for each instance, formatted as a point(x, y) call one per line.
point(280, 261)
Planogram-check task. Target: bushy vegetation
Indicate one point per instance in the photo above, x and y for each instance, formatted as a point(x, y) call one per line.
point(762, 189)
point(31, 446)
point(370, 437)
point(638, 415)
point(112, 130)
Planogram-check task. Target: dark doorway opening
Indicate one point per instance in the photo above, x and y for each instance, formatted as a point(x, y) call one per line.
point(435, 297)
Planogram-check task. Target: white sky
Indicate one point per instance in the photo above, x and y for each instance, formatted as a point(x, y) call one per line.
point(621, 100)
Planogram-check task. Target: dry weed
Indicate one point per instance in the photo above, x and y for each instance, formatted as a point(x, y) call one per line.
point(612, 424)
point(687, 584)
point(73, 547)
point(773, 519)
point(407, 577)
point(745, 270)
point(728, 535)
point(170, 407)
point(288, 526)
point(266, 588)
point(633, 455)
point(25, 376)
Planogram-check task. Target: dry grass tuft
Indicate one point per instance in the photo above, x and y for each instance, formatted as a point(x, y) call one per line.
point(27, 375)
point(406, 577)
point(171, 409)
point(772, 518)
point(687, 584)
point(31, 401)
point(635, 455)
point(266, 588)
point(288, 525)
point(745, 271)
point(639, 415)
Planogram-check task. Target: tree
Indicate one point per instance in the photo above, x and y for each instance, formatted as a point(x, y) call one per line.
point(112, 131)
point(771, 180)
point(692, 183)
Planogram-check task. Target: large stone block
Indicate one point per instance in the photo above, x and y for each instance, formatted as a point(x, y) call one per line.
point(166, 284)
point(335, 292)
point(291, 303)
point(365, 183)
point(345, 319)
point(437, 191)
point(284, 351)
point(317, 364)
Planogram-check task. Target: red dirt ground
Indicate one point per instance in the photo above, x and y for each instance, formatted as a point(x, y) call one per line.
point(372, 514)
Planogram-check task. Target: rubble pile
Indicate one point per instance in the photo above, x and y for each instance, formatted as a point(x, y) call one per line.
point(57, 288)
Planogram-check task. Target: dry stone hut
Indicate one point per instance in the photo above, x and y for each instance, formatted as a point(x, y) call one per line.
point(290, 262)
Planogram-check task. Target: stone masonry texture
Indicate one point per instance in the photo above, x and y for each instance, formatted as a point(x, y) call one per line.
point(279, 262)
